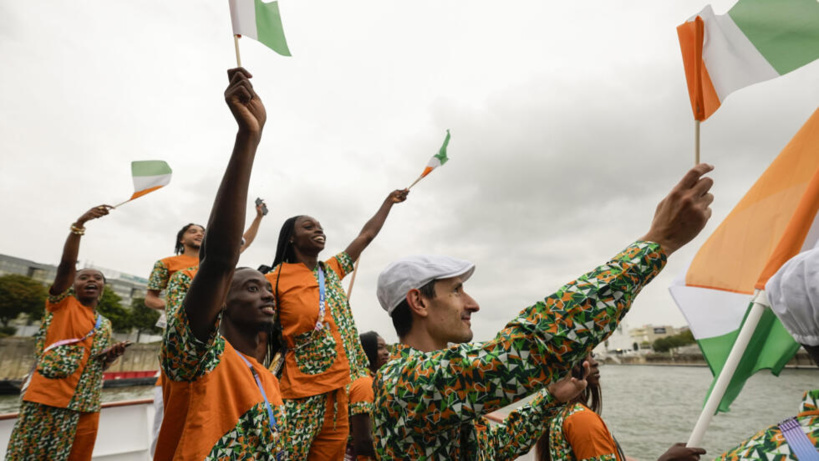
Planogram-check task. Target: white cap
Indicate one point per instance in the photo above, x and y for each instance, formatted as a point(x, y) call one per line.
point(413, 272)
point(794, 296)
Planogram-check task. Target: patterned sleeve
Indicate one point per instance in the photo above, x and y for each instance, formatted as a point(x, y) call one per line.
point(57, 302)
point(178, 287)
point(40, 336)
point(182, 356)
point(538, 347)
point(159, 277)
point(361, 396)
point(522, 428)
point(341, 264)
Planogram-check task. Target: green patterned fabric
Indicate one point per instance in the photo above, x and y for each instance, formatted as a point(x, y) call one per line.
point(250, 439)
point(158, 279)
point(769, 444)
point(428, 406)
point(42, 433)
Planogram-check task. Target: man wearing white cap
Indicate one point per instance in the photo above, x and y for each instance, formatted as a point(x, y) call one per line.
point(430, 399)
point(793, 293)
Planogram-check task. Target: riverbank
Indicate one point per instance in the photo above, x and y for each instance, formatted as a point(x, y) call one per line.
point(691, 359)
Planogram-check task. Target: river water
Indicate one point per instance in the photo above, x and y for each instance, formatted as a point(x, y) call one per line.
point(648, 408)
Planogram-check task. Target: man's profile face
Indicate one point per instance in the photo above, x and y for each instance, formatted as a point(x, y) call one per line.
point(450, 312)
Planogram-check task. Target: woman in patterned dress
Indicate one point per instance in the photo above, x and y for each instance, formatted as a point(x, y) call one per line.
point(321, 352)
point(579, 433)
point(59, 414)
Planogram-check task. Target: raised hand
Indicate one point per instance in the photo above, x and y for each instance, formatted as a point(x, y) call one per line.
point(398, 196)
point(244, 103)
point(682, 214)
point(569, 387)
point(94, 213)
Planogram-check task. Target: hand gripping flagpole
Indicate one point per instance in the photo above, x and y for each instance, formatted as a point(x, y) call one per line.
point(759, 304)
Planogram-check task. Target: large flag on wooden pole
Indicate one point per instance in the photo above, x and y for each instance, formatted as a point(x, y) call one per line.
point(774, 221)
point(756, 40)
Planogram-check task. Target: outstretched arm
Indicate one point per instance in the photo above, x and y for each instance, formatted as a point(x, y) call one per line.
point(250, 234)
point(220, 250)
point(153, 301)
point(67, 268)
point(375, 224)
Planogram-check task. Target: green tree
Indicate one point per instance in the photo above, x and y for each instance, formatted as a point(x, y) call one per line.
point(144, 318)
point(662, 345)
point(110, 307)
point(20, 294)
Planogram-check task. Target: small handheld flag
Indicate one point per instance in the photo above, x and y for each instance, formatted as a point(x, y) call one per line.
point(149, 175)
point(437, 160)
point(755, 41)
point(260, 21)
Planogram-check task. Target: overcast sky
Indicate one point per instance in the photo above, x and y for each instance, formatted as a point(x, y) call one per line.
point(569, 122)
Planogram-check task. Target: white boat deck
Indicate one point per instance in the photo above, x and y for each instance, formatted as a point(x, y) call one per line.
point(124, 432)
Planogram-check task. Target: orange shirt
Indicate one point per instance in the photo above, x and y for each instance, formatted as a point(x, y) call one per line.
point(165, 268)
point(213, 405)
point(588, 435)
point(361, 396)
point(314, 363)
point(56, 382)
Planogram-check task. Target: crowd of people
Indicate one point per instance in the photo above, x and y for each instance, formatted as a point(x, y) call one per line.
point(269, 364)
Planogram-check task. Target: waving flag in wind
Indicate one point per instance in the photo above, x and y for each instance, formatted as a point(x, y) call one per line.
point(149, 175)
point(756, 40)
point(260, 21)
point(437, 160)
point(776, 220)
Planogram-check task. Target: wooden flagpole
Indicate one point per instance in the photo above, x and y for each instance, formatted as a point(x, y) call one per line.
point(352, 279)
point(120, 204)
point(416, 182)
point(238, 55)
point(696, 142)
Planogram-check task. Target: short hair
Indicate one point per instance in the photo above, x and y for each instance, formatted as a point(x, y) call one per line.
point(178, 246)
point(402, 315)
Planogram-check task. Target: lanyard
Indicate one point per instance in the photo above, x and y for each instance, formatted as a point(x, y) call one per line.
point(320, 321)
point(63, 342)
point(273, 425)
point(799, 443)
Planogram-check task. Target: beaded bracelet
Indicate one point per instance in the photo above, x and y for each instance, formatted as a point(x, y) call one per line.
point(77, 230)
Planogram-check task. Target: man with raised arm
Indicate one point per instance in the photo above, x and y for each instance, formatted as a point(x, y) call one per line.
point(430, 399)
point(220, 401)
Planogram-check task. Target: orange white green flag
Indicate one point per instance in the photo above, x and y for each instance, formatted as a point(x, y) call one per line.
point(773, 222)
point(260, 21)
point(437, 160)
point(756, 40)
point(149, 175)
